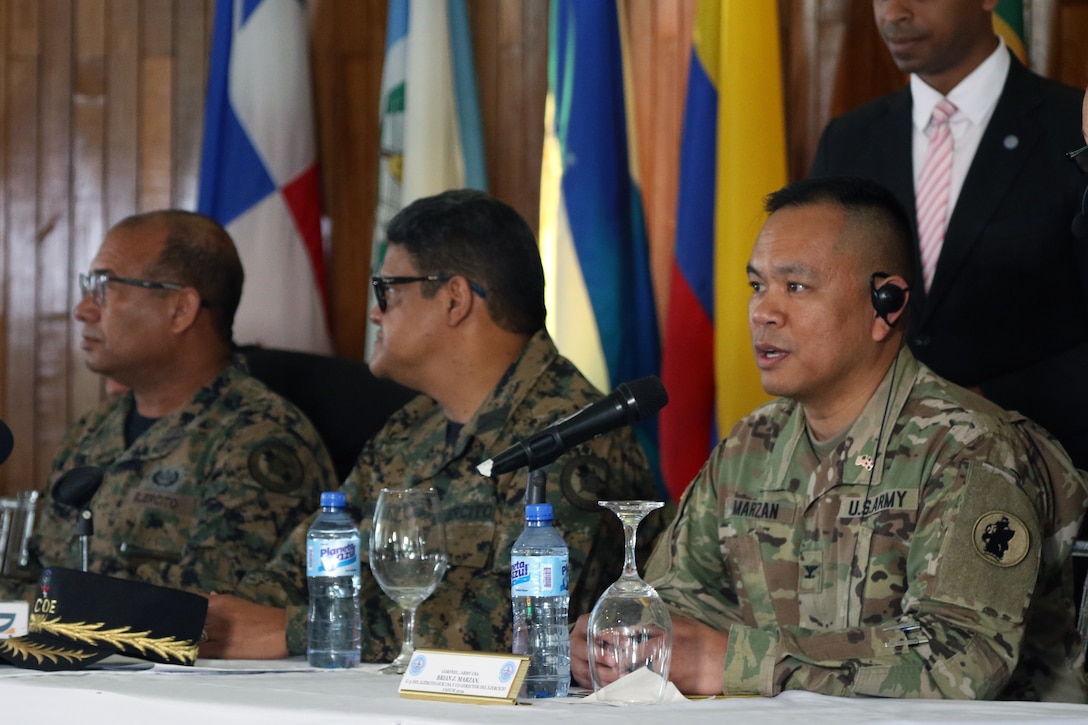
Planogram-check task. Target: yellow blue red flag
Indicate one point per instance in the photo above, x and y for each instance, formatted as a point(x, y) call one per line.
point(733, 153)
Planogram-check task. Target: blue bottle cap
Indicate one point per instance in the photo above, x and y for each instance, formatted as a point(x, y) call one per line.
point(538, 512)
point(333, 499)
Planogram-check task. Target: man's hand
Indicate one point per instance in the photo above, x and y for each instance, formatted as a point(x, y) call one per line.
point(698, 656)
point(241, 630)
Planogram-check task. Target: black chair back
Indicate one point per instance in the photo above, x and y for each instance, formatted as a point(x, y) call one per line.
point(340, 396)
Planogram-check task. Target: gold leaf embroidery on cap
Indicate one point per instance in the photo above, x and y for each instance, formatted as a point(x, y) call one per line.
point(1001, 538)
point(39, 652)
point(184, 650)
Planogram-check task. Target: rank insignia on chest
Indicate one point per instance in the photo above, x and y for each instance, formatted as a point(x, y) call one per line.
point(864, 461)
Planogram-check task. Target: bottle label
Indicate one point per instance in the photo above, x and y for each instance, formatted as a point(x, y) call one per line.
point(332, 557)
point(539, 576)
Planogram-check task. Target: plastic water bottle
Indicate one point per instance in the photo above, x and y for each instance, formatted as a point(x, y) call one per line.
point(333, 628)
point(540, 591)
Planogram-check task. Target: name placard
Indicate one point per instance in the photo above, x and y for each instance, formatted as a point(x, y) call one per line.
point(485, 678)
point(13, 619)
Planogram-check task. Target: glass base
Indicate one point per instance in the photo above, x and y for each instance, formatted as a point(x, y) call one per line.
point(394, 668)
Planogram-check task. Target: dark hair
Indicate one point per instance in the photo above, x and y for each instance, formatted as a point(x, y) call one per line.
point(199, 253)
point(473, 234)
point(871, 211)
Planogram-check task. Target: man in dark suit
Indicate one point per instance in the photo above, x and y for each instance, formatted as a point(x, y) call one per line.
point(1006, 309)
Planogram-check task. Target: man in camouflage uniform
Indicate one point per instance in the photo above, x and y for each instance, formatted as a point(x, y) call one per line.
point(204, 470)
point(877, 530)
point(470, 338)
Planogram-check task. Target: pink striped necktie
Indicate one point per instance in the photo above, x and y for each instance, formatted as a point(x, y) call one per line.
point(933, 188)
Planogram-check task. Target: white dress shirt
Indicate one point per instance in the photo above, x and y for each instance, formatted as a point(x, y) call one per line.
point(975, 99)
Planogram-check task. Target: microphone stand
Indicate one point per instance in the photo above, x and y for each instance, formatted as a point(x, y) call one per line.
point(84, 529)
point(534, 491)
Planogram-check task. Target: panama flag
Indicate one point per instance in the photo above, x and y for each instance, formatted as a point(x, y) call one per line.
point(431, 133)
point(593, 235)
point(733, 153)
point(258, 174)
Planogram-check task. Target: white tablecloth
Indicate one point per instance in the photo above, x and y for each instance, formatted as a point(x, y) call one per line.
point(289, 692)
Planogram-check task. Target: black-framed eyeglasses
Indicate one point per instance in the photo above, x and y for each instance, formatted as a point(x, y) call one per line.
point(1079, 157)
point(94, 284)
point(382, 284)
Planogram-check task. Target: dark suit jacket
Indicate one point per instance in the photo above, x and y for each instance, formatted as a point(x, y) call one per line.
point(1008, 309)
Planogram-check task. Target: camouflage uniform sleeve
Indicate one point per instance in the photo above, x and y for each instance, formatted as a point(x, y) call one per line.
point(686, 567)
point(962, 620)
point(258, 483)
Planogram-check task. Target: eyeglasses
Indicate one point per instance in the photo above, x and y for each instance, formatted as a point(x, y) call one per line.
point(1079, 157)
point(94, 284)
point(382, 284)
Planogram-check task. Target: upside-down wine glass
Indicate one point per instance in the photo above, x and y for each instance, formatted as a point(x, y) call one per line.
point(407, 556)
point(630, 628)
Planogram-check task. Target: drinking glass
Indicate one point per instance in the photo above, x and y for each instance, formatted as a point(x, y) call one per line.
point(630, 628)
point(407, 556)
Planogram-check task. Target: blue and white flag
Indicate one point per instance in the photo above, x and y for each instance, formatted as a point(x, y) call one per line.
point(431, 134)
point(258, 174)
point(594, 245)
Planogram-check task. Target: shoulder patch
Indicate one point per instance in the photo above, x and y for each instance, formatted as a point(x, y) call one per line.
point(584, 482)
point(1001, 538)
point(275, 466)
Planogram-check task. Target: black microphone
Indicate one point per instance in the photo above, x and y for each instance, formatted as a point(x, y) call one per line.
point(7, 441)
point(628, 403)
point(77, 486)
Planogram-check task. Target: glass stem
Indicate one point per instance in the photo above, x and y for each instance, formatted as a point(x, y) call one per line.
point(408, 646)
point(629, 530)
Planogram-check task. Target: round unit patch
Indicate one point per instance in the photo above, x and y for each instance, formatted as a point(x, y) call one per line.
point(1000, 538)
point(276, 467)
point(584, 482)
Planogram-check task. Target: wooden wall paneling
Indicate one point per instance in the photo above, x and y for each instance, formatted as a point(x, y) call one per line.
point(523, 193)
point(662, 38)
point(865, 68)
point(5, 136)
point(54, 276)
point(801, 95)
point(1069, 54)
point(88, 182)
point(21, 187)
point(156, 96)
point(511, 45)
point(192, 47)
point(348, 53)
point(483, 18)
point(122, 73)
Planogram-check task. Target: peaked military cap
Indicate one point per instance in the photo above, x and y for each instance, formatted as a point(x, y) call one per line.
point(79, 618)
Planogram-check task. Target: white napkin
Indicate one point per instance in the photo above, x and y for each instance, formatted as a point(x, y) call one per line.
point(631, 689)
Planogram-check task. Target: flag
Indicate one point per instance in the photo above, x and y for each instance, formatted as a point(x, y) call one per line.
point(1009, 24)
point(593, 235)
point(431, 135)
point(733, 153)
point(258, 170)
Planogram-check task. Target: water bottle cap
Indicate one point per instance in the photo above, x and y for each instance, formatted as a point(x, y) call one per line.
point(333, 499)
point(538, 512)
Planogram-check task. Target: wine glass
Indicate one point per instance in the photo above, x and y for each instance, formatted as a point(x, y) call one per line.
point(630, 629)
point(407, 556)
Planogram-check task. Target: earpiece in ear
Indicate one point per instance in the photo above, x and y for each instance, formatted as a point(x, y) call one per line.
point(888, 298)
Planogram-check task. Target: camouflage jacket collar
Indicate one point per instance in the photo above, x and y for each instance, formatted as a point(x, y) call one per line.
point(867, 438)
point(166, 433)
point(423, 418)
